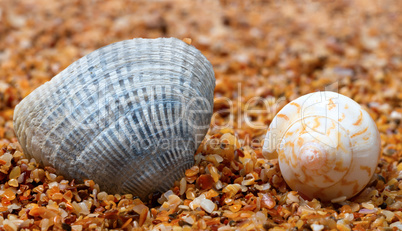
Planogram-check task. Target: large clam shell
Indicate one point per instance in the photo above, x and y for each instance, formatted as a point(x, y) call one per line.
point(129, 115)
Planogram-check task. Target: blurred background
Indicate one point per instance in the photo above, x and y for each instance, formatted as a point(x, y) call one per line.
point(261, 51)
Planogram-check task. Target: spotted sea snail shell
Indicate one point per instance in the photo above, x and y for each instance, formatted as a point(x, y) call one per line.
point(327, 145)
point(129, 115)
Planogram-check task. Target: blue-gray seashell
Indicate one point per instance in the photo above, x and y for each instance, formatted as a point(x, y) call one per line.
point(129, 115)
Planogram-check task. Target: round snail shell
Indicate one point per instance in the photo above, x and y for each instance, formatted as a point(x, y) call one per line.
point(328, 147)
point(129, 115)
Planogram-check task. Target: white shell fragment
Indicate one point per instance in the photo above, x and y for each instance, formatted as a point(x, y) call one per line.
point(327, 145)
point(129, 115)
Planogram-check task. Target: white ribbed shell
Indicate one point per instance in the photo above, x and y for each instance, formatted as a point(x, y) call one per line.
point(327, 145)
point(129, 115)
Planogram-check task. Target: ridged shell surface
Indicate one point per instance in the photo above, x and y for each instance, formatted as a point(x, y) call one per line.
point(327, 145)
point(129, 115)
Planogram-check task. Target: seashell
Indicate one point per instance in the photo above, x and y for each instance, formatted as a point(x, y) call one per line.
point(129, 115)
point(327, 146)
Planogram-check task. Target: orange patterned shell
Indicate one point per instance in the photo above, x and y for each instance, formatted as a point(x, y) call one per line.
point(327, 145)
